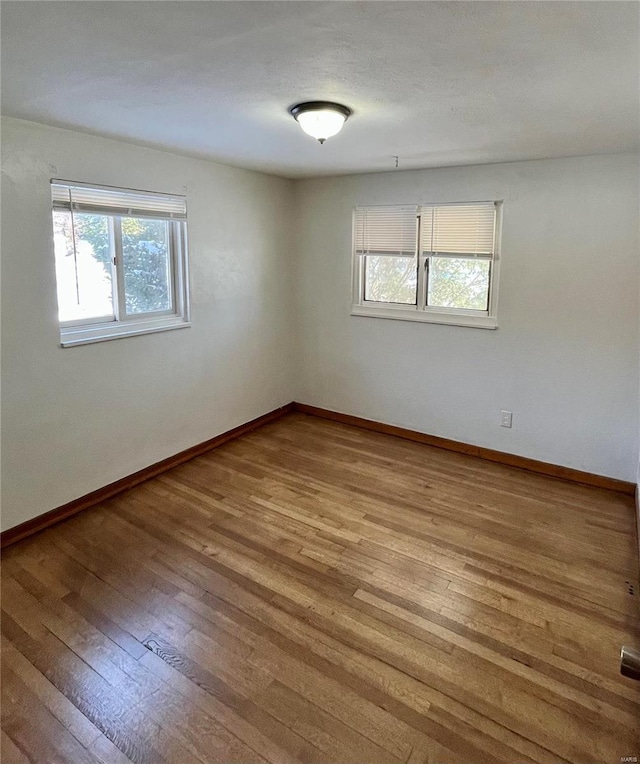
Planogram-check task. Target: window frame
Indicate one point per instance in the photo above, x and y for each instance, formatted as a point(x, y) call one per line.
point(485, 319)
point(123, 324)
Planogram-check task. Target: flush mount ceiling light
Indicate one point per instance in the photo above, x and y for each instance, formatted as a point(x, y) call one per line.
point(320, 119)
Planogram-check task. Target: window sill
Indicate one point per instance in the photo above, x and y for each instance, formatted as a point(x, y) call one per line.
point(450, 319)
point(70, 336)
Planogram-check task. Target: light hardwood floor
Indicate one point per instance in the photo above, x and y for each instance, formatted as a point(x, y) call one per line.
point(315, 592)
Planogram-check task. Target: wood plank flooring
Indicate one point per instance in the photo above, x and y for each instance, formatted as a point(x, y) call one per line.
point(315, 592)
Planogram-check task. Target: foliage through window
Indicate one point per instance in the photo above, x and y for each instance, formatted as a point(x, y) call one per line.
point(427, 263)
point(120, 261)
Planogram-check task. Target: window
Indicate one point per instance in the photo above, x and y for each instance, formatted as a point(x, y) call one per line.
point(435, 263)
point(121, 262)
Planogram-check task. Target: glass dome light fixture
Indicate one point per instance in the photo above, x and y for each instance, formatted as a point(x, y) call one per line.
point(320, 119)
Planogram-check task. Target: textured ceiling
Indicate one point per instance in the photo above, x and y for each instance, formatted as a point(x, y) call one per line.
point(435, 83)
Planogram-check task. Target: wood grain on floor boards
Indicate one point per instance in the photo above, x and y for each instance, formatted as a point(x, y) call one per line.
point(314, 592)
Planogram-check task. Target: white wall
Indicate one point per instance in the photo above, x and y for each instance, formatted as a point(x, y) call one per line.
point(79, 418)
point(565, 358)
point(638, 470)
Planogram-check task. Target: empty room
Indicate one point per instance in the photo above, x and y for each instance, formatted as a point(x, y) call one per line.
point(320, 382)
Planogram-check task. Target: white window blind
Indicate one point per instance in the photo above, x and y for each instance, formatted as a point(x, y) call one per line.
point(459, 230)
point(114, 201)
point(386, 230)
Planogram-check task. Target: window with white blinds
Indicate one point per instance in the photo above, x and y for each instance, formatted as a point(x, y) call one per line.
point(116, 201)
point(459, 230)
point(430, 262)
point(386, 231)
point(121, 261)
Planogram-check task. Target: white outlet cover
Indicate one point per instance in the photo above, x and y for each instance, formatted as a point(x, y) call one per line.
point(506, 418)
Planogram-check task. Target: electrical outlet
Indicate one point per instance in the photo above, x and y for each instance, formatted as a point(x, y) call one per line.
point(505, 418)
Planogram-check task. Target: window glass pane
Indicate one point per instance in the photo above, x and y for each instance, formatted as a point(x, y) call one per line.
point(147, 265)
point(459, 283)
point(83, 272)
point(390, 279)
